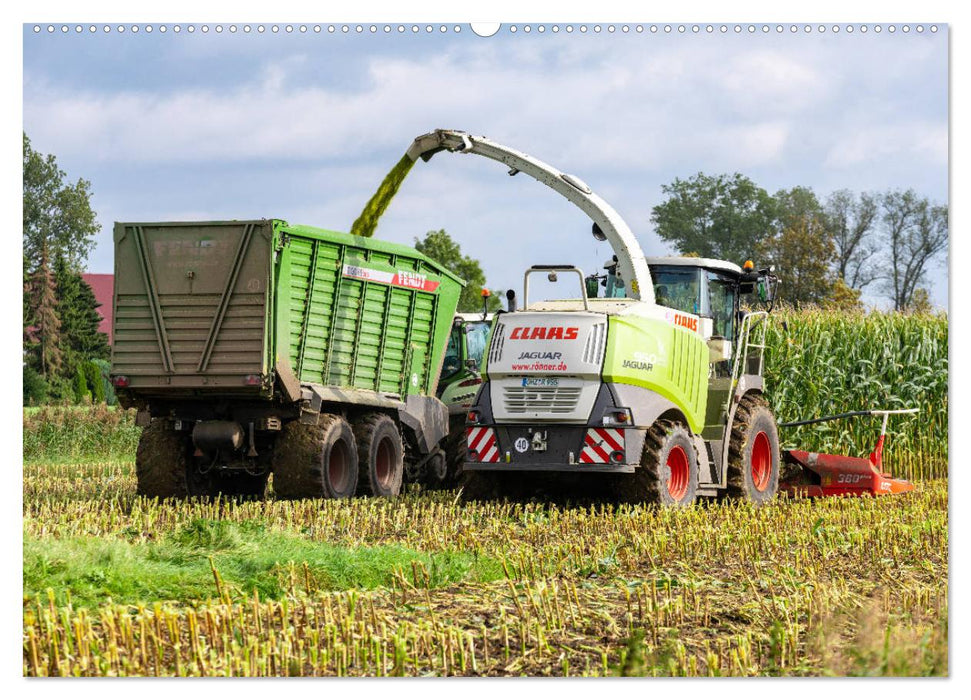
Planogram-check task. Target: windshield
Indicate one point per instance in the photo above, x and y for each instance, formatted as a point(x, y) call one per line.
point(476, 335)
point(721, 297)
point(452, 360)
point(677, 287)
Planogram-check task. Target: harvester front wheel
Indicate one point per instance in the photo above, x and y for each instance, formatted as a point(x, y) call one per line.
point(753, 452)
point(668, 473)
point(381, 465)
point(316, 461)
point(161, 461)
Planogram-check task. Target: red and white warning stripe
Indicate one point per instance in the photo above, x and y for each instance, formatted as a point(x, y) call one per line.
point(482, 444)
point(599, 443)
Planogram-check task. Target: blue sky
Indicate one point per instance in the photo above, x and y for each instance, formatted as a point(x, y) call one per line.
point(303, 127)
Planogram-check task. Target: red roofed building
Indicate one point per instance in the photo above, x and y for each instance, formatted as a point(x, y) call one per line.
point(103, 287)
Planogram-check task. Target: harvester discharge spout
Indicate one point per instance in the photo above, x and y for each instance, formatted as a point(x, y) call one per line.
point(814, 474)
point(631, 263)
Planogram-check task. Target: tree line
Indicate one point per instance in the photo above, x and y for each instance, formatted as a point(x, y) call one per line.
point(825, 252)
point(65, 355)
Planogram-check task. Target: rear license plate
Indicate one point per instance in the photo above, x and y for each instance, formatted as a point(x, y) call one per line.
point(540, 381)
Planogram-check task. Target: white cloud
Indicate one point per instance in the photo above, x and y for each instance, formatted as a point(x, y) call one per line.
point(625, 115)
point(616, 109)
point(869, 144)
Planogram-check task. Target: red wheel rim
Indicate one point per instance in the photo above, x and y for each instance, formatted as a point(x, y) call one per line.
point(761, 462)
point(338, 471)
point(384, 463)
point(678, 475)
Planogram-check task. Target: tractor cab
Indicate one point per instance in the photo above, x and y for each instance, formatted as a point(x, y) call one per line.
point(462, 364)
point(701, 287)
point(712, 290)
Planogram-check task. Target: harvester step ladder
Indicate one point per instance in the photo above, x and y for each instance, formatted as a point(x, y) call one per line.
point(745, 345)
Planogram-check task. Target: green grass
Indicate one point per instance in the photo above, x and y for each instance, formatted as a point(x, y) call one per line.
point(247, 555)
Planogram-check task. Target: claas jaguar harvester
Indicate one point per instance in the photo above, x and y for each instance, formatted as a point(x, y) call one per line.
point(658, 381)
point(653, 383)
point(251, 347)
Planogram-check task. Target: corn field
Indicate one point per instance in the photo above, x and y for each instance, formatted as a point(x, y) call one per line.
point(826, 362)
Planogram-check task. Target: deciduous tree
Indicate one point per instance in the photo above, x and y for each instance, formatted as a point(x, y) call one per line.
point(915, 232)
point(850, 220)
point(57, 214)
point(800, 248)
point(721, 216)
point(440, 247)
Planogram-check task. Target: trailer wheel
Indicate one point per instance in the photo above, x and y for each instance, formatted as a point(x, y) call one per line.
point(381, 464)
point(668, 473)
point(161, 462)
point(753, 452)
point(316, 461)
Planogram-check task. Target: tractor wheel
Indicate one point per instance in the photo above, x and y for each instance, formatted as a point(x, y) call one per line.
point(455, 452)
point(316, 461)
point(753, 452)
point(380, 453)
point(668, 473)
point(161, 462)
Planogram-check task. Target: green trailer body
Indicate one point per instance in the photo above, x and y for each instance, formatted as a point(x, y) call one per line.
point(228, 331)
point(225, 308)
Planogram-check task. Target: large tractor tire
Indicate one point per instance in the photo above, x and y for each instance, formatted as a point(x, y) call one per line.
point(381, 466)
point(161, 462)
point(753, 452)
point(316, 461)
point(668, 473)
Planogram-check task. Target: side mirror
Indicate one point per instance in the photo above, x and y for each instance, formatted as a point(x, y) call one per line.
point(766, 287)
point(591, 283)
point(472, 365)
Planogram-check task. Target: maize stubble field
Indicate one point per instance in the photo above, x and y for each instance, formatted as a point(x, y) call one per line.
point(427, 585)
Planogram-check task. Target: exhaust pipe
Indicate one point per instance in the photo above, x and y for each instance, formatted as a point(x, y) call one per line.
point(510, 300)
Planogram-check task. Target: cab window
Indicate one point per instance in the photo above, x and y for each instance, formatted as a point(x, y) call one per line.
point(721, 300)
point(453, 353)
point(476, 335)
point(677, 287)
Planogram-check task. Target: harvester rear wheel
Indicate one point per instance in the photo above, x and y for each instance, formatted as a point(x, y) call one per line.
point(381, 464)
point(316, 461)
point(161, 461)
point(753, 452)
point(668, 473)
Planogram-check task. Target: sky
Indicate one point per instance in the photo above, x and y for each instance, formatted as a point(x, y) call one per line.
point(303, 127)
